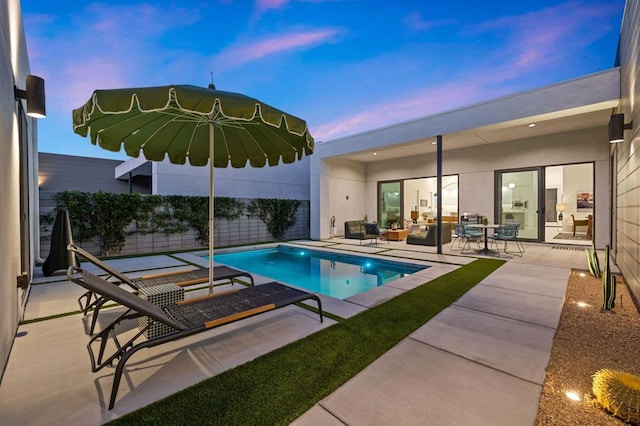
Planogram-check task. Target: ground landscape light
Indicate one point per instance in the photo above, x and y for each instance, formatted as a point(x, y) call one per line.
point(572, 395)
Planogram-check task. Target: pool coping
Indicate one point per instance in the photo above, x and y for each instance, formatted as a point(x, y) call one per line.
point(348, 307)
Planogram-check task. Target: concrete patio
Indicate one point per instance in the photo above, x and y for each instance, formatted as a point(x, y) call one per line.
point(493, 344)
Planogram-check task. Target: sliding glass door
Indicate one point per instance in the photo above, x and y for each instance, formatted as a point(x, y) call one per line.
point(389, 204)
point(519, 201)
point(569, 201)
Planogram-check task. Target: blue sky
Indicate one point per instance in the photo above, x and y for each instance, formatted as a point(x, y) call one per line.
point(345, 66)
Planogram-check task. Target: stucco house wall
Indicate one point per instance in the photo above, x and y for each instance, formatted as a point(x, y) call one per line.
point(475, 168)
point(344, 193)
point(18, 181)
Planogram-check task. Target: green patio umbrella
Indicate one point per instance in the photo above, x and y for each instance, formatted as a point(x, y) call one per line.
point(195, 124)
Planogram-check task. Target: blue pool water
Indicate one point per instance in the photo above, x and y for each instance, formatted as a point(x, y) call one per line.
point(338, 276)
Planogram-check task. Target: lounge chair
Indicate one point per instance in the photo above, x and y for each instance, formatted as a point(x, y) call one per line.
point(90, 300)
point(184, 318)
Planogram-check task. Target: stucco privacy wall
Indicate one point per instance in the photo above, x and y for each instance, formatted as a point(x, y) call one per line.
point(14, 66)
point(290, 181)
point(286, 181)
point(627, 153)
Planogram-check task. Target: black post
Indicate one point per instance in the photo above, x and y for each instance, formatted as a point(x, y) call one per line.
point(439, 192)
point(130, 183)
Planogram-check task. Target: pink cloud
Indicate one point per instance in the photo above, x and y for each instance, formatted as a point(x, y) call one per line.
point(415, 22)
point(539, 38)
point(533, 42)
point(76, 85)
point(243, 53)
point(263, 5)
point(421, 103)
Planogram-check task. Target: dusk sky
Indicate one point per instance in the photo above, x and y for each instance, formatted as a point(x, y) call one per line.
point(345, 66)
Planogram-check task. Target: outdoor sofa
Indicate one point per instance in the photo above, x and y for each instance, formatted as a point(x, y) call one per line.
point(428, 238)
point(361, 230)
point(184, 318)
point(354, 229)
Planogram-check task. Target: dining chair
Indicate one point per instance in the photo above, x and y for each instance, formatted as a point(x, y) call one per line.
point(469, 234)
point(505, 233)
point(457, 237)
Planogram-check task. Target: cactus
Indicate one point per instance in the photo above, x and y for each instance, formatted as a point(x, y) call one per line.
point(618, 393)
point(608, 283)
point(592, 259)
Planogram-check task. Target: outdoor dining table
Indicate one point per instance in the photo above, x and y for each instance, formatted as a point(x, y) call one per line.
point(486, 249)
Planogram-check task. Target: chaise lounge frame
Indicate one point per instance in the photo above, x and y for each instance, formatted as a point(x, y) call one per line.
point(90, 301)
point(187, 318)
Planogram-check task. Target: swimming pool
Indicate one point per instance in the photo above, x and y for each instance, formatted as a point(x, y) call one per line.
point(335, 275)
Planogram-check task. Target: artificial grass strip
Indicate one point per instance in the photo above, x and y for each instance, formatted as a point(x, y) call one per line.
point(279, 386)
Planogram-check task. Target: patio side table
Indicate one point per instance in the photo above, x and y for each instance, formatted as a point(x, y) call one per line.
point(161, 295)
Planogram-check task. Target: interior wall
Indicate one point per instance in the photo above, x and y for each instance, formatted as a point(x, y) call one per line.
point(577, 178)
point(627, 153)
point(426, 189)
point(553, 180)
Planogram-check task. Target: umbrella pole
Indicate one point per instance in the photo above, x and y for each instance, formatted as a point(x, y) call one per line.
point(211, 209)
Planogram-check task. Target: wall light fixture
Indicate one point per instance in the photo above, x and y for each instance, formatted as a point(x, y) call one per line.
point(34, 95)
point(617, 126)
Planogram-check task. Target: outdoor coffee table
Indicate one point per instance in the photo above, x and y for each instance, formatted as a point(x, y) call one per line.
point(397, 234)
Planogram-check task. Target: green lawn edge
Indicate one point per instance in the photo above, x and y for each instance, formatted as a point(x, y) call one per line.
point(279, 386)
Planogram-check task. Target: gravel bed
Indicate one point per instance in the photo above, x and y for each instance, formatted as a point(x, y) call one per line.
point(587, 340)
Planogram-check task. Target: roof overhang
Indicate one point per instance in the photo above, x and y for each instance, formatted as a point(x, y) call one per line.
point(581, 103)
point(134, 167)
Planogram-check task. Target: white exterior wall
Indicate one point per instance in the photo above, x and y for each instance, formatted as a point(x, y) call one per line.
point(14, 66)
point(344, 195)
point(476, 170)
point(285, 181)
point(476, 166)
point(626, 246)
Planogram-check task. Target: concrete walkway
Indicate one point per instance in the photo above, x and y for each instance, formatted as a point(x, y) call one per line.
point(480, 361)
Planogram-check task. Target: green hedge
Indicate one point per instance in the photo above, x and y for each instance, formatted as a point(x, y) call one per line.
point(108, 216)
